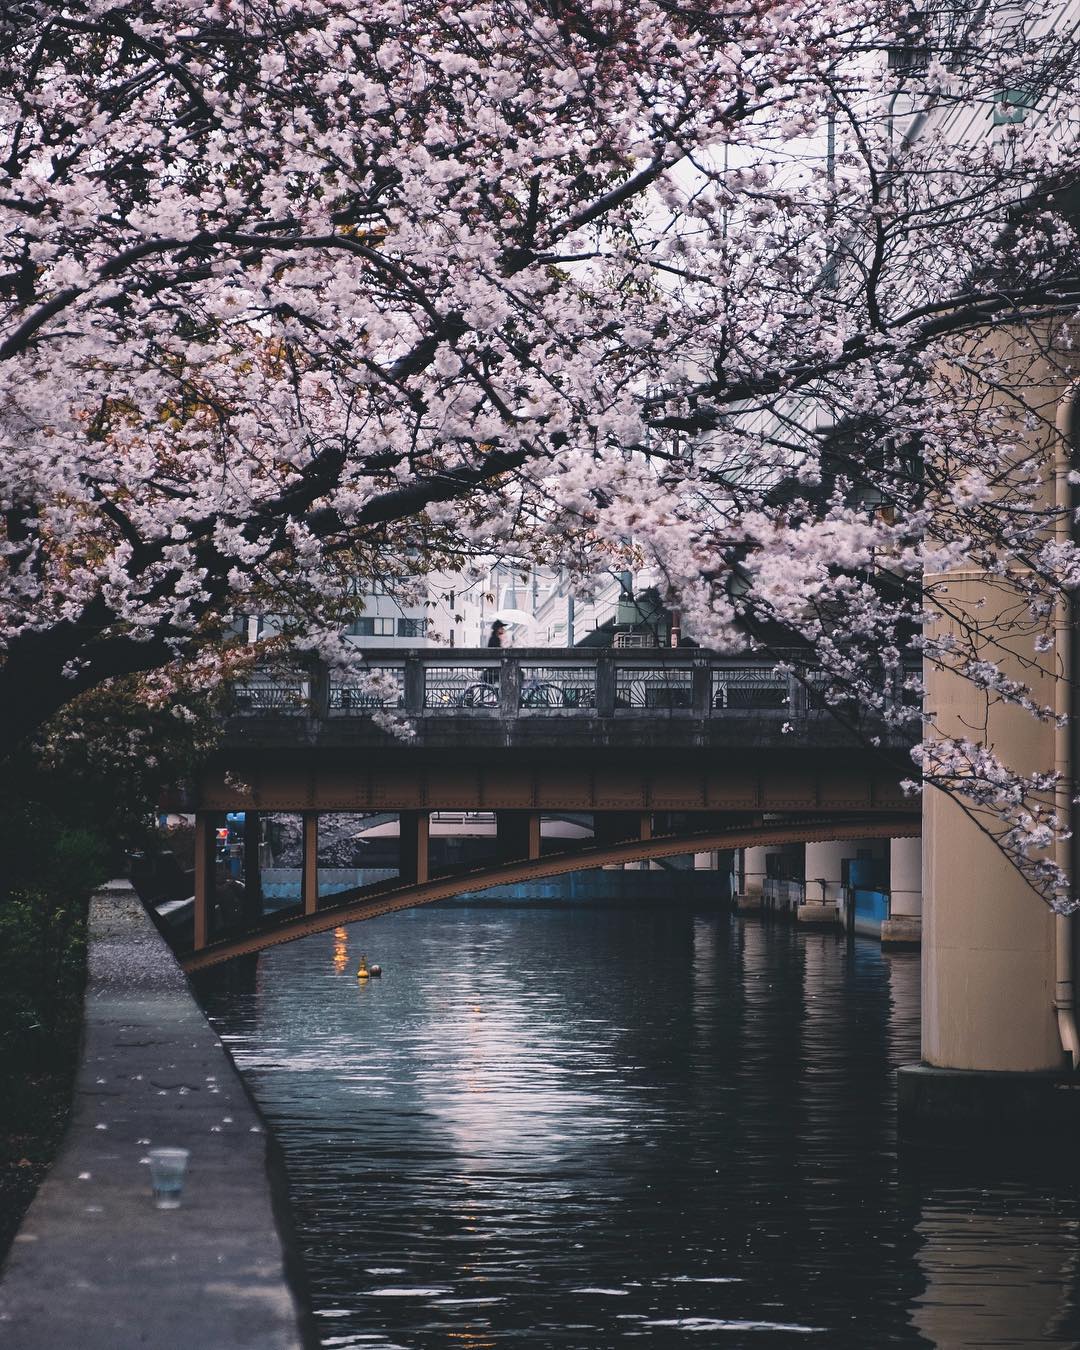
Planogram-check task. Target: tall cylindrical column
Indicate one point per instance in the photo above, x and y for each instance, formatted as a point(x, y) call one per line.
point(903, 927)
point(991, 1044)
point(823, 875)
point(905, 876)
point(988, 939)
point(751, 893)
point(754, 870)
point(823, 870)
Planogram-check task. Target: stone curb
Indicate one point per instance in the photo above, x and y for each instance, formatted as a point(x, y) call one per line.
point(94, 1264)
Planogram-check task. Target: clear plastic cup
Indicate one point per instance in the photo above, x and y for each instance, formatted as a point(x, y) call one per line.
point(167, 1168)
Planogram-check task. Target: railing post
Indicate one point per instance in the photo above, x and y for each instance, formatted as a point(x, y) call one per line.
point(798, 704)
point(414, 686)
point(320, 690)
point(309, 877)
point(509, 686)
point(701, 687)
point(204, 860)
point(605, 686)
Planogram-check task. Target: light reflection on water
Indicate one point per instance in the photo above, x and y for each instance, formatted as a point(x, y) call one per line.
point(549, 1127)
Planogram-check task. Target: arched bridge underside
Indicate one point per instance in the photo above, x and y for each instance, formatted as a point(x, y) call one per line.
point(354, 906)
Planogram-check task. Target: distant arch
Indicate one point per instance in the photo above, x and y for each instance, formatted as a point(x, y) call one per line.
point(355, 906)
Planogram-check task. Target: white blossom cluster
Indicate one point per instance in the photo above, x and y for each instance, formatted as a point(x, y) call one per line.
point(773, 295)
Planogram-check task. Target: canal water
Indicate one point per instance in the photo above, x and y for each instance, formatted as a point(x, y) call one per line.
point(551, 1127)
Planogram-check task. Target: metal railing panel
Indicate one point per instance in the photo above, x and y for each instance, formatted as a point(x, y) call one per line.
point(560, 687)
point(653, 687)
point(461, 687)
point(756, 688)
point(289, 694)
point(383, 687)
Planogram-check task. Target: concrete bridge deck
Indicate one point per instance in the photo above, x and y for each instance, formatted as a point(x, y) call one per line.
point(692, 745)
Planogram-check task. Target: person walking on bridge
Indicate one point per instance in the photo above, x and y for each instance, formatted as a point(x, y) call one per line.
point(497, 630)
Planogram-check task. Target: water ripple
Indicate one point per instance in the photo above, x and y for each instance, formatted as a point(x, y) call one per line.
point(576, 1129)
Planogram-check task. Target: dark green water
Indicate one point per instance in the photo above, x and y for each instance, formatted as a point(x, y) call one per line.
point(608, 1127)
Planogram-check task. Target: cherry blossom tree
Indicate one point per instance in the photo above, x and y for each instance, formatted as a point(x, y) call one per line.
point(775, 294)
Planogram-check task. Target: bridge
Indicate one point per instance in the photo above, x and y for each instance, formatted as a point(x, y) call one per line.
point(669, 752)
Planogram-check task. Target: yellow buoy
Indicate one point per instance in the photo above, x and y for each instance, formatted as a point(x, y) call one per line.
point(363, 972)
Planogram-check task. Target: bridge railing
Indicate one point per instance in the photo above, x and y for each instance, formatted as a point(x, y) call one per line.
point(542, 683)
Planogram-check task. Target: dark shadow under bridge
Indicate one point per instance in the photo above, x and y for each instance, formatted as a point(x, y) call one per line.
point(386, 898)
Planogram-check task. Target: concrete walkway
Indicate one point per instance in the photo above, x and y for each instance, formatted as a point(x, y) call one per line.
point(95, 1266)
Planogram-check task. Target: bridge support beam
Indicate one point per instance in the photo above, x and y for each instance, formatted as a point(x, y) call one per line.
point(204, 876)
point(309, 876)
point(518, 835)
point(413, 859)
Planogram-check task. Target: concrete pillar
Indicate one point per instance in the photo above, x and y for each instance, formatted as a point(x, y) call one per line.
point(824, 881)
point(903, 927)
point(988, 940)
point(823, 863)
point(753, 870)
point(992, 1053)
point(753, 879)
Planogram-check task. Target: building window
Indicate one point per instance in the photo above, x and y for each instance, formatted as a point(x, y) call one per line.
point(372, 627)
point(411, 627)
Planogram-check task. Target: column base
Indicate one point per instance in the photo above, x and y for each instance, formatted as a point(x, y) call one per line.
point(748, 904)
point(904, 930)
point(969, 1109)
point(818, 916)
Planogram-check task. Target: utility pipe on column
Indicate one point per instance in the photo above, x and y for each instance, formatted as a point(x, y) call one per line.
point(1065, 708)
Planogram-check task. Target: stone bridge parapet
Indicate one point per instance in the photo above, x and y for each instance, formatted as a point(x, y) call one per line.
point(552, 698)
